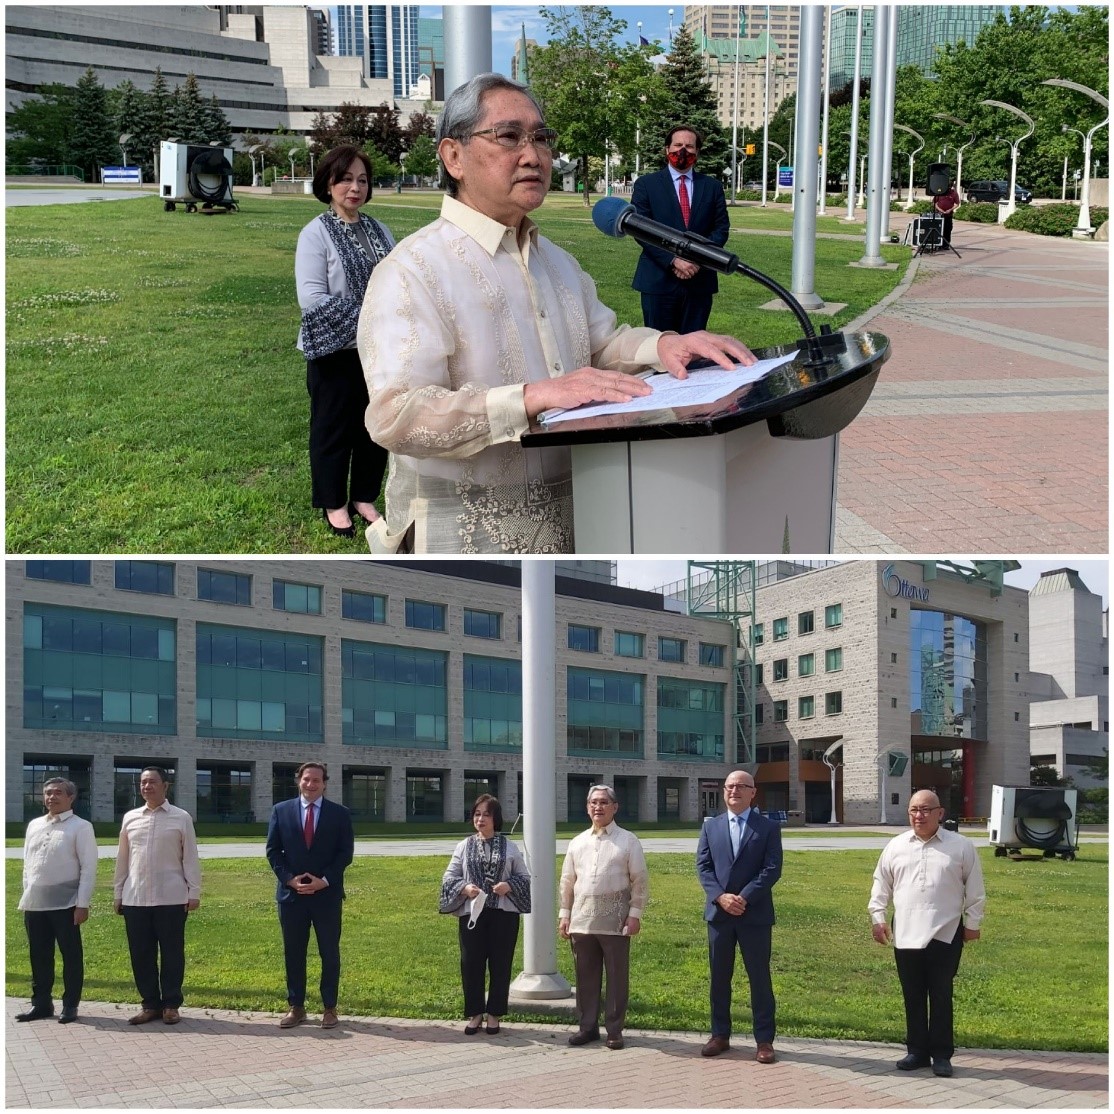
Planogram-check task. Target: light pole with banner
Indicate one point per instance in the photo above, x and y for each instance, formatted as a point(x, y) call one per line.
point(1083, 228)
point(892, 762)
point(912, 157)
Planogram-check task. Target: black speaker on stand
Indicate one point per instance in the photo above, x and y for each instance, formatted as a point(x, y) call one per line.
point(929, 234)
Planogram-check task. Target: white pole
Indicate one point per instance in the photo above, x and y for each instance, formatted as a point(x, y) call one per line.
point(735, 114)
point(827, 99)
point(540, 977)
point(855, 116)
point(766, 112)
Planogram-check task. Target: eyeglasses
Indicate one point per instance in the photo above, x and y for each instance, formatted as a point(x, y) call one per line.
point(923, 811)
point(509, 136)
point(737, 787)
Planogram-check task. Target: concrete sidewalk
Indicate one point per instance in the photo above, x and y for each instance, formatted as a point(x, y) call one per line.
point(987, 431)
point(216, 1058)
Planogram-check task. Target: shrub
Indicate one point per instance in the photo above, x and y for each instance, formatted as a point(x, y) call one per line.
point(1045, 220)
point(921, 208)
point(1093, 805)
point(981, 212)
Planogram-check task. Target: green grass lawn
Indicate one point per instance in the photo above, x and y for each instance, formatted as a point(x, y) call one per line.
point(156, 402)
point(1037, 979)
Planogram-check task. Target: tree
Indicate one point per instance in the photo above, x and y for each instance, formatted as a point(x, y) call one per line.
point(189, 114)
point(131, 116)
point(217, 127)
point(421, 158)
point(591, 87)
point(1100, 769)
point(385, 132)
point(1040, 774)
point(420, 124)
point(93, 142)
point(39, 130)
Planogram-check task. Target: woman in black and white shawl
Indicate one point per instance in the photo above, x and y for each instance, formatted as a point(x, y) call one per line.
point(336, 254)
point(487, 886)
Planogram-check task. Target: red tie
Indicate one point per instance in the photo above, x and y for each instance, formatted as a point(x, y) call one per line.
point(308, 831)
point(683, 197)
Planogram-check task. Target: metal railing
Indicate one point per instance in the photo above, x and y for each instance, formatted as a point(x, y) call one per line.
point(63, 170)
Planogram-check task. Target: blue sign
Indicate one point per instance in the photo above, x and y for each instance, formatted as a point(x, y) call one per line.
point(900, 588)
point(785, 177)
point(121, 175)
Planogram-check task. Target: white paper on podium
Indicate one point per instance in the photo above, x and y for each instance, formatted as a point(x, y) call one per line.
point(703, 386)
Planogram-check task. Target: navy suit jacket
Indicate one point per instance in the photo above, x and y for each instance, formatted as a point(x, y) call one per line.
point(654, 196)
point(332, 850)
point(751, 873)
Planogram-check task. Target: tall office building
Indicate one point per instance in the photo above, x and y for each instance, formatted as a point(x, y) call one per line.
point(386, 37)
point(323, 31)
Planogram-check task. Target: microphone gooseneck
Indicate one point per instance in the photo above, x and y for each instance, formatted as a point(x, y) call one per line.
point(614, 217)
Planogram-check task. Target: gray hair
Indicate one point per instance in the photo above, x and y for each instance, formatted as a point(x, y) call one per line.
point(68, 786)
point(463, 111)
point(604, 789)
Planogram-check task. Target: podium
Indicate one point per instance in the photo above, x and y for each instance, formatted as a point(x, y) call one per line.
point(754, 472)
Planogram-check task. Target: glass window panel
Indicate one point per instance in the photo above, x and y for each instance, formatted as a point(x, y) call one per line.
point(806, 665)
point(781, 629)
point(116, 707)
point(273, 716)
point(248, 715)
point(224, 713)
point(145, 708)
point(33, 632)
point(87, 636)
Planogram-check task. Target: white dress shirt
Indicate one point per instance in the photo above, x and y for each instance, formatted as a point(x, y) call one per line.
point(59, 863)
point(157, 862)
point(933, 883)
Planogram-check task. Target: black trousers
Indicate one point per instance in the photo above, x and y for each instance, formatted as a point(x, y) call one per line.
point(157, 945)
point(594, 955)
point(487, 953)
point(682, 312)
point(344, 463)
point(295, 919)
point(926, 976)
point(946, 233)
point(44, 930)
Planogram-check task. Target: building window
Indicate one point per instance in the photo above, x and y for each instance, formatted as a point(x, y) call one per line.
point(781, 669)
point(492, 704)
point(38, 770)
point(224, 587)
point(690, 720)
point(806, 665)
point(605, 712)
point(833, 615)
point(759, 710)
point(483, 624)
point(805, 622)
point(305, 599)
point(393, 695)
point(893, 615)
point(893, 659)
point(425, 798)
point(125, 784)
point(893, 701)
point(671, 649)
point(223, 793)
point(776, 752)
point(365, 794)
point(98, 671)
point(154, 577)
point(759, 672)
point(833, 703)
point(425, 616)
point(629, 644)
point(364, 607)
point(584, 638)
point(255, 684)
point(948, 675)
point(833, 660)
point(711, 654)
point(781, 711)
point(65, 572)
point(757, 634)
point(781, 629)
point(806, 707)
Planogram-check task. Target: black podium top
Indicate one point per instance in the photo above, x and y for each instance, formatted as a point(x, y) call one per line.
point(798, 400)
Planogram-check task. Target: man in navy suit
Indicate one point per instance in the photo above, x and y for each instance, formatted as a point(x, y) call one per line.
point(677, 294)
point(738, 861)
point(309, 845)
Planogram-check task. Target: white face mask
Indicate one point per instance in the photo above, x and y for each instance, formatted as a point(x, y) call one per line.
point(476, 908)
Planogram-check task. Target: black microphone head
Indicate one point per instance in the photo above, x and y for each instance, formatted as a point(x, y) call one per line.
point(607, 213)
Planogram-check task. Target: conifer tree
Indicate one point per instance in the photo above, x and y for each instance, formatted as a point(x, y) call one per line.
point(93, 142)
point(217, 127)
point(132, 117)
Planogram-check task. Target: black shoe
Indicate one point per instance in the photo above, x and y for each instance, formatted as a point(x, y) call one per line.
point(911, 1062)
point(69, 1013)
point(942, 1068)
point(34, 1014)
point(577, 1039)
point(340, 531)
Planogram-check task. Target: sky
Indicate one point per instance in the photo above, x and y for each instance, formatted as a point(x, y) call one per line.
point(636, 573)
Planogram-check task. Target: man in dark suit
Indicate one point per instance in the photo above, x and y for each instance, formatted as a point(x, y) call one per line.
point(309, 845)
point(677, 294)
point(738, 861)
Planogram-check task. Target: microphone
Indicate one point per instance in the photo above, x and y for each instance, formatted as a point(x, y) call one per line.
point(614, 217)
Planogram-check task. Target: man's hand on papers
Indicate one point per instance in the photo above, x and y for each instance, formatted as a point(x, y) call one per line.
point(586, 384)
point(676, 350)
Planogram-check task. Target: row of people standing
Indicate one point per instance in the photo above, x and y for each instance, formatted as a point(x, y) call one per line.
point(930, 876)
point(471, 328)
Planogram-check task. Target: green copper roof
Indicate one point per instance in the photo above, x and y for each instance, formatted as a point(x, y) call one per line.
point(750, 50)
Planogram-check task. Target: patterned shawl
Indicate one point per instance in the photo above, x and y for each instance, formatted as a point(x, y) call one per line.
point(485, 875)
point(330, 323)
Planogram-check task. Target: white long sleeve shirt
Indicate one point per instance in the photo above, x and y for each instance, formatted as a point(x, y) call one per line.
point(157, 861)
point(59, 863)
point(602, 872)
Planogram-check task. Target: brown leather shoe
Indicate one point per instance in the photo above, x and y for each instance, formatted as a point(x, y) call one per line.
point(329, 1019)
point(296, 1016)
point(171, 1016)
point(765, 1054)
point(616, 1043)
point(144, 1016)
point(716, 1046)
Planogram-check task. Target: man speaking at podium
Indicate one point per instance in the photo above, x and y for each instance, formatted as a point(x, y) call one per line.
point(676, 293)
point(475, 325)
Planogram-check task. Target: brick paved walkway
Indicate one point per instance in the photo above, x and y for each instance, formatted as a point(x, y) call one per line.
point(987, 432)
point(216, 1058)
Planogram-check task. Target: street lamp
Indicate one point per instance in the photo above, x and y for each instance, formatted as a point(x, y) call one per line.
point(826, 757)
point(959, 150)
point(777, 171)
point(1083, 228)
point(902, 127)
point(1064, 129)
point(1011, 204)
point(125, 139)
point(294, 153)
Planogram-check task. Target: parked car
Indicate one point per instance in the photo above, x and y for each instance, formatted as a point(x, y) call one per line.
point(998, 190)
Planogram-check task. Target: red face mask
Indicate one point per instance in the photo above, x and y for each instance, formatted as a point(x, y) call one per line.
point(680, 160)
